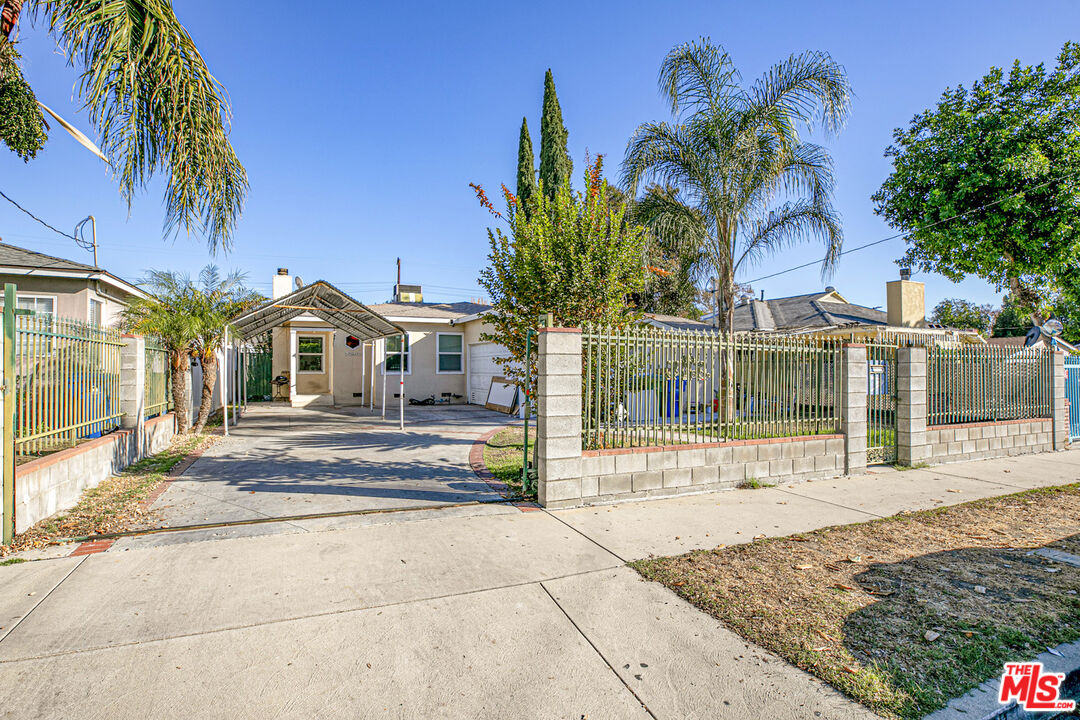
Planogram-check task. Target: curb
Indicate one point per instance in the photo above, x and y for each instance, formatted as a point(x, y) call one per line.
point(476, 462)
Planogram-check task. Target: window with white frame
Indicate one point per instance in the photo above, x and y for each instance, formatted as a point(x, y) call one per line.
point(310, 353)
point(95, 311)
point(40, 304)
point(396, 355)
point(450, 350)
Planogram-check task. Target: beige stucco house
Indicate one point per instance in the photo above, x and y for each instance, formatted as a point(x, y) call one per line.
point(65, 288)
point(442, 356)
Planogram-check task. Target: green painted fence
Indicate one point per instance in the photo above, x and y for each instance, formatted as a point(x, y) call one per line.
point(67, 382)
point(643, 386)
point(978, 383)
point(259, 368)
point(158, 383)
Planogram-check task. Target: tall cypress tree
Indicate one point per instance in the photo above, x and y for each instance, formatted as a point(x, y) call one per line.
point(526, 171)
point(555, 164)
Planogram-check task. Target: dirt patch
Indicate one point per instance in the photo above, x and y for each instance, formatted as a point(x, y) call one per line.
point(116, 504)
point(905, 613)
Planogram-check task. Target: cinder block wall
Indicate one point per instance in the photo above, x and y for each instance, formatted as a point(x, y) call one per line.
point(569, 476)
point(54, 483)
point(634, 473)
point(978, 441)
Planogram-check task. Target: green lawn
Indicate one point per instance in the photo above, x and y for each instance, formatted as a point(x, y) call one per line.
point(503, 455)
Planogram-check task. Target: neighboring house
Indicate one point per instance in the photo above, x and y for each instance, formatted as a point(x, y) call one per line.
point(674, 322)
point(64, 288)
point(1043, 341)
point(829, 313)
point(442, 357)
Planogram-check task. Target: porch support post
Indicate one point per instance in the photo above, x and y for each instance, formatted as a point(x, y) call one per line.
point(853, 406)
point(384, 377)
point(292, 365)
point(401, 385)
point(371, 381)
point(223, 376)
point(911, 447)
point(363, 370)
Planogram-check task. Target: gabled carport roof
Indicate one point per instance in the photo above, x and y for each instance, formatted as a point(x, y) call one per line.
point(325, 302)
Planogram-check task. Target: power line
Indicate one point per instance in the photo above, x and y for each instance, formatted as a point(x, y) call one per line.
point(925, 227)
point(35, 217)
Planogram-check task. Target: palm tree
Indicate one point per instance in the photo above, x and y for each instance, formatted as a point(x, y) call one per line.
point(168, 314)
point(217, 300)
point(151, 98)
point(740, 182)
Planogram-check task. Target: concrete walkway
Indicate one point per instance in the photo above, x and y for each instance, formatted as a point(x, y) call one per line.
point(482, 612)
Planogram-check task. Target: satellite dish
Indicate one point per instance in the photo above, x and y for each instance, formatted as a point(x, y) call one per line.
point(299, 282)
point(1052, 327)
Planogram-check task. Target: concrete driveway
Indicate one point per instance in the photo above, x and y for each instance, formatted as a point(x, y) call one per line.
point(280, 461)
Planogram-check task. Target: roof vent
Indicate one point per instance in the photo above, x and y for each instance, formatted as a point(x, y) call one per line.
point(830, 288)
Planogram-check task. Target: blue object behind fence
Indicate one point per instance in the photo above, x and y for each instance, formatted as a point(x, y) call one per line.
point(1072, 394)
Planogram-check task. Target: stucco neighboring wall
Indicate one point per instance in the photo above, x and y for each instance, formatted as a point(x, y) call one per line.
point(423, 381)
point(72, 296)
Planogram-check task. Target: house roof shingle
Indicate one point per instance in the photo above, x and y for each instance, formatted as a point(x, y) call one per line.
point(803, 311)
point(422, 311)
point(12, 256)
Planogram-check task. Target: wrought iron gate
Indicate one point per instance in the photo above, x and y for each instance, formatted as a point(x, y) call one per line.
point(880, 404)
point(1072, 395)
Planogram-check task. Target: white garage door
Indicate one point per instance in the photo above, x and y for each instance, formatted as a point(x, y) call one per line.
point(482, 367)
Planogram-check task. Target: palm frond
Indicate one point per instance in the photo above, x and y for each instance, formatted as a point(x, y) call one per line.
point(157, 107)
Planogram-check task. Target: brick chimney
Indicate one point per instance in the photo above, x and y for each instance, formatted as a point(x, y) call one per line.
point(906, 301)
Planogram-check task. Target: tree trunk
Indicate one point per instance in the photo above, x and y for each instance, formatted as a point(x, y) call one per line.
point(9, 17)
point(181, 391)
point(209, 377)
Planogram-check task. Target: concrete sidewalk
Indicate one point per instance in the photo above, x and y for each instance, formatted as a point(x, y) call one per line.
point(485, 612)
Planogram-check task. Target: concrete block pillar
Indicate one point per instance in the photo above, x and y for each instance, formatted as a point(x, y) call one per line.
point(911, 404)
point(853, 405)
point(1059, 411)
point(133, 382)
point(558, 417)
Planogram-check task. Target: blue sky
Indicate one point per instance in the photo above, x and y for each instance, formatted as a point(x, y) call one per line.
point(362, 124)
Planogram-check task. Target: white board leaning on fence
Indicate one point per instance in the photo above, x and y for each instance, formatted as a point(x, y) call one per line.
point(502, 395)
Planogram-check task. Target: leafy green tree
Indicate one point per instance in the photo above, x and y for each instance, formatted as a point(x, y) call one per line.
point(963, 315)
point(526, 169)
point(672, 258)
point(217, 300)
point(573, 256)
point(748, 184)
point(1011, 321)
point(988, 182)
point(555, 164)
point(150, 96)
